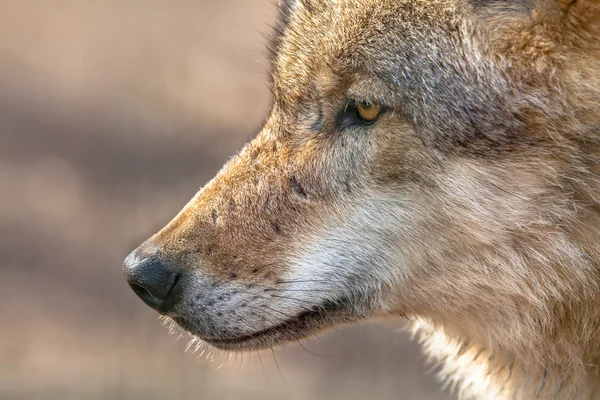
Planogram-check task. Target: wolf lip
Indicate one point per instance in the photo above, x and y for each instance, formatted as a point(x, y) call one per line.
point(297, 327)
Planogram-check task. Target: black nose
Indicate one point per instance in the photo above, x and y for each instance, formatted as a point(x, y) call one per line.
point(153, 280)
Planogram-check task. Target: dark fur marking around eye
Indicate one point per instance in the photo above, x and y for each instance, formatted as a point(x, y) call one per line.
point(319, 125)
point(215, 216)
point(233, 275)
point(295, 185)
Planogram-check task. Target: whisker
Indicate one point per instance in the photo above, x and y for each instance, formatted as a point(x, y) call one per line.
point(263, 267)
point(314, 354)
point(290, 298)
point(339, 332)
point(263, 368)
point(303, 308)
point(241, 353)
point(244, 320)
point(277, 311)
point(309, 281)
point(234, 360)
point(296, 290)
point(278, 368)
point(274, 318)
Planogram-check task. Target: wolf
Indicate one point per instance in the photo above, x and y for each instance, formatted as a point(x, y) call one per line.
point(433, 159)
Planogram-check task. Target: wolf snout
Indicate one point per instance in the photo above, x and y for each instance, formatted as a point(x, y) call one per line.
point(153, 279)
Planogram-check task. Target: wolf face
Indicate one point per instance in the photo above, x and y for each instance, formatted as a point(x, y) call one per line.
point(437, 159)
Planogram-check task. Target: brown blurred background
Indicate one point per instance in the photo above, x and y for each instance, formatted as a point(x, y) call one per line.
point(112, 114)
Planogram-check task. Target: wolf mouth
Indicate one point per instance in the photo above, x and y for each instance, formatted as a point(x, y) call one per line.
point(298, 327)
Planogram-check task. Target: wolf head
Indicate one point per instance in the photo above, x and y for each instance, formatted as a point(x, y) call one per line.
point(437, 159)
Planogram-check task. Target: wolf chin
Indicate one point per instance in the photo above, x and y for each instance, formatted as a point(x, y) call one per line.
point(435, 159)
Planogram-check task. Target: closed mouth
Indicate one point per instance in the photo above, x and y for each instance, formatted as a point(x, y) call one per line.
point(295, 328)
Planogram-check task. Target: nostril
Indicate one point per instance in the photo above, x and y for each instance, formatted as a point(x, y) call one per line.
point(153, 280)
point(140, 291)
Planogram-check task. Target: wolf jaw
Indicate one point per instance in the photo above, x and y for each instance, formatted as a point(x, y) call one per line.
point(471, 204)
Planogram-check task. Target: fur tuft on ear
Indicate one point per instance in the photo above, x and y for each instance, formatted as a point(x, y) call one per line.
point(581, 22)
point(295, 4)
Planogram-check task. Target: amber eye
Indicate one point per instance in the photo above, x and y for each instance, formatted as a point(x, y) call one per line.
point(368, 111)
point(359, 113)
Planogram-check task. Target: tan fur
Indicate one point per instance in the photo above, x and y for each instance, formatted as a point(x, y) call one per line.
point(472, 205)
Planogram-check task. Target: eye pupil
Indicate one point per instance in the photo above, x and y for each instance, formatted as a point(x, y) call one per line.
point(368, 111)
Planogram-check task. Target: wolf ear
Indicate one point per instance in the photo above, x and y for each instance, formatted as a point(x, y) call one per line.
point(295, 4)
point(580, 22)
point(287, 7)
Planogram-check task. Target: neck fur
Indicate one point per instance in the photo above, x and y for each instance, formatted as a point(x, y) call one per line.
point(531, 327)
point(563, 363)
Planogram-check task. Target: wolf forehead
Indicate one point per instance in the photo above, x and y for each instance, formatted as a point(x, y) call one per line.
point(389, 44)
point(433, 61)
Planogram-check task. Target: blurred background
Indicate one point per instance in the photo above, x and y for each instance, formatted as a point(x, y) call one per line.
point(112, 114)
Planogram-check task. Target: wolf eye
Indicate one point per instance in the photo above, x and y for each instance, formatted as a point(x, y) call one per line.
point(368, 111)
point(357, 113)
